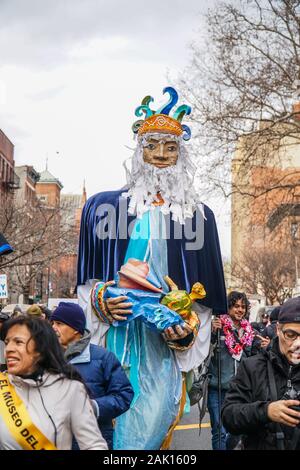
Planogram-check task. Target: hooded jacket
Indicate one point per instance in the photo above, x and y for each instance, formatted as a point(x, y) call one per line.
point(66, 402)
point(245, 407)
point(106, 380)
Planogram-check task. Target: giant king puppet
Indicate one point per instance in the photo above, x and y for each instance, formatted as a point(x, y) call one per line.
point(150, 274)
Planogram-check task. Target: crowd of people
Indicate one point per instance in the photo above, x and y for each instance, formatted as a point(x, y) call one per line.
point(46, 357)
point(114, 371)
point(254, 403)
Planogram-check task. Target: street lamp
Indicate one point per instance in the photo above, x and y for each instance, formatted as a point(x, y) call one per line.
point(294, 230)
point(48, 284)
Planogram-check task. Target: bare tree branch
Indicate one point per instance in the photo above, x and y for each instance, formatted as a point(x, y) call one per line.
point(241, 85)
point(39, 239)
point(264, 272)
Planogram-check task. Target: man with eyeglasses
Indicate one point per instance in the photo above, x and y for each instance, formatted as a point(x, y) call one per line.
point(263, 401)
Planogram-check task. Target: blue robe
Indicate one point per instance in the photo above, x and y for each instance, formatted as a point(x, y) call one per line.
point(151, 365)
point(101, 259)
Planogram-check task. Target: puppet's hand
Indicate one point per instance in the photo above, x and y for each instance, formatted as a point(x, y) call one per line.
point(178, 332)
point(183, 337)
point(117, 306)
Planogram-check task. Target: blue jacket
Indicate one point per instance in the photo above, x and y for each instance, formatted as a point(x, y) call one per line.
point(107, 383)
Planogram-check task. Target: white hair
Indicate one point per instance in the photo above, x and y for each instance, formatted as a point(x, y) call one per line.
point(175, 183)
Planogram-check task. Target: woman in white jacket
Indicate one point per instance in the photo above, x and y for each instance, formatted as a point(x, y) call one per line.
point(43, 401)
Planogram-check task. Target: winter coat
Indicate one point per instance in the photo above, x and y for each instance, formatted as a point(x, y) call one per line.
point(271, 330)
point(245, 407)
point(107, 382)
point(228, 364)
point(261, 328)
point(66, 402)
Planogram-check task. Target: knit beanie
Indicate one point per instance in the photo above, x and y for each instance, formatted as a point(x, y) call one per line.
point(34, 310)
point(71, 314)
point(290, 311)
point(274, 314)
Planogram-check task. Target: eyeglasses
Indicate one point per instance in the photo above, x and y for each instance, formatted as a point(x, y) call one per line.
point(290, 335)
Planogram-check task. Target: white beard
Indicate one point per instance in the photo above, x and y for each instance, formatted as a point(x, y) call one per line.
point(175, 184)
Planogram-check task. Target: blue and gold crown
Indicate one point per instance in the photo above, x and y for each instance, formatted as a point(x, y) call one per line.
point(160, 121)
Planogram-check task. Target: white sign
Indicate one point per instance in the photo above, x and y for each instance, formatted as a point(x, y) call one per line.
point(256, 303)
point(3, 286)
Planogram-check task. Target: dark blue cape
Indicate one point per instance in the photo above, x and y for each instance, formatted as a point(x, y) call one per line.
point(102, 258)
point(5, 247)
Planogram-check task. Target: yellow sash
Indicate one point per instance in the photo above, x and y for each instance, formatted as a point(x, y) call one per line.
point(18, 421)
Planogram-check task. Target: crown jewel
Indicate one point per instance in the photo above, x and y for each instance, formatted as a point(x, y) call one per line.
point(160, 121)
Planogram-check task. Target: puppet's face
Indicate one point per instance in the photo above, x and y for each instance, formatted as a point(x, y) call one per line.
point(161, 153)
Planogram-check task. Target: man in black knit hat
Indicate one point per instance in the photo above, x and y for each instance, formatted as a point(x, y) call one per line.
point(263, 401)
point(271, 330)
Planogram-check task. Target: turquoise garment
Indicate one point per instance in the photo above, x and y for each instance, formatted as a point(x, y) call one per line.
point(158, 250)
point(152, 249)
point(139, 239)
point(149, 362)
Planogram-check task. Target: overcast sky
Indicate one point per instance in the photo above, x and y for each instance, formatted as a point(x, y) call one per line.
point(72, 73)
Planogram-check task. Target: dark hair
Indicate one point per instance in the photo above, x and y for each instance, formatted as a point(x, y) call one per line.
point(274, 314)
point(46, 343)
point(234, 296)
point(4, 316)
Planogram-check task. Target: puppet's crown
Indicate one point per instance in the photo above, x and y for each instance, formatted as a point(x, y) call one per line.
point(160, 121)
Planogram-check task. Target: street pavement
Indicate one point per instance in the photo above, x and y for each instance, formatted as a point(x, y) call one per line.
point(186, 435)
